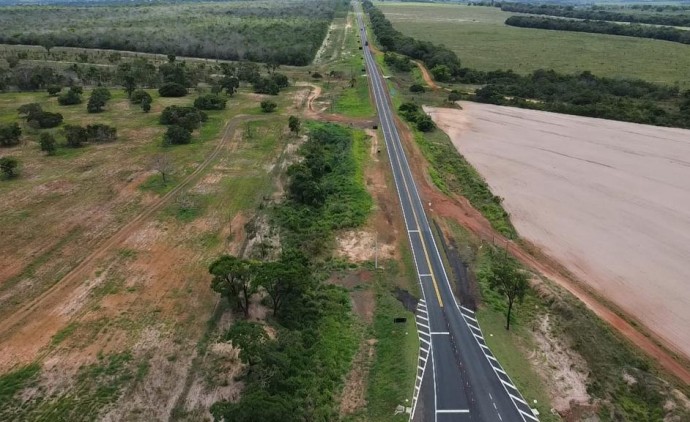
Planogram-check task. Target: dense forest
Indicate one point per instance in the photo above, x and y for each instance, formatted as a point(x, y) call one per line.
point(665, 33)
point(598, 14)
point(443, 63)
point(286, 32)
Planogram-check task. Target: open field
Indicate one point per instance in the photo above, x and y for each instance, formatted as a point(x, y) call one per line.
point(603, 198)
point(482, 41)
point(104, 285)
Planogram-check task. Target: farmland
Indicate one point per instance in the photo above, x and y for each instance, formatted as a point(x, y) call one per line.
point(482, 41)
point(285, 32)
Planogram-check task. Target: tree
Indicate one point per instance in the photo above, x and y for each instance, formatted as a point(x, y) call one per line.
point(505, 277)
point(424, 123)
point(284, 279)
point(268, 106)
point(99, 96)
point(232, 278)
point(47, 142)
point(441, 73)
point(139, 96)
point(187, 117)
point(454, 96)
point(8, 166)
point(250, 338)
point(172, 89)
point(230, 84)
point(99, 132)
point(146, 106)
point(280, 80)
point(177, 135)
point(266, 86)
point(294, 124)
point(417, 88)
point(10, 134)
point(71, 97)
point(163, 165)
point(75, 135)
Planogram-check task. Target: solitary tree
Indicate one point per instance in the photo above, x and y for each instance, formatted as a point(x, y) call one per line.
point(285, 278)
point(8, 166)
point(10, 134)
point(268, 106)
point(99, 96)
point(232, 278)
point(294, 124)
point(48, 144)
point(505, 277)
point(163, 165)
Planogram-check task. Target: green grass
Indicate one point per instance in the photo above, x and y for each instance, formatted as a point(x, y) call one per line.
point(354, 102)
point(391, 381)
point(13, 382)
point(482, 41)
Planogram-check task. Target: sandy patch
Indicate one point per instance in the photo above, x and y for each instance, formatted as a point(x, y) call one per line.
point(360, 245)
point(354, 391)
point(608, 200)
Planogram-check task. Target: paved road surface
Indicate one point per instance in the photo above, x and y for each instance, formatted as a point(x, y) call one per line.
point(458, 378)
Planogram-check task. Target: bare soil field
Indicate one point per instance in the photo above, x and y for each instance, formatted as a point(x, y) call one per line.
point(608, 200)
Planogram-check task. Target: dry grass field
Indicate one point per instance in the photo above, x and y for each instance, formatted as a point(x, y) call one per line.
point(608, 200)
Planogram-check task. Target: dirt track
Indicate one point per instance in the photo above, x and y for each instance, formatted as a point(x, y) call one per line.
point(605, 199)
point(40, 318)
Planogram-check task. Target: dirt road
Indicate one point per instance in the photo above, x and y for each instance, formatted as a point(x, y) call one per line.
point(26, 331)
point(604, 199)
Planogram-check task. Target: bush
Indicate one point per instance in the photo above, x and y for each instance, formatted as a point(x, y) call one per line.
point(75, 135)
point(316, 75)
point(177, 135)
point(8, 166)
point(44, 120)
point(10, 134)
point(187, 117)
point(172, 89)
point(71, 97)
point(54, 90)
point(454, 96)
point(409, 111)
point(139, 96)
point(210, 102)
point(417, 88)
point(268, 106)
point(47, 142)
point(266, 86)
point(280, 80)
point(100, 133)
point(424, 123)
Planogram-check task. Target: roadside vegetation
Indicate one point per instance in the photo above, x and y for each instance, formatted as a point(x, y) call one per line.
point(267, 31)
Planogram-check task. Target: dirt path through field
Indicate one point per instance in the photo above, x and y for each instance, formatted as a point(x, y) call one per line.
point(426, 76)
point(460, 126)
point(32, 326)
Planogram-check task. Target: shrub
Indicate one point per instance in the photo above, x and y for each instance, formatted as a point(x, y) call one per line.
point(424, 123)
point(172, 89)
point(187, 117)
point(316, 75)
point(44, 120)
point(454, 96)
point(54, 90)
point(75, 135)
point(417, 88)
point(8, 166)
point(210, 102)
point(10, 134)
point(47, 142)
point(139, 96)
point(100, 133)
point(266, 86)
point(99, 96)
point(268, 106)
point(71, 97)
point(177, 135)
point(280, 80)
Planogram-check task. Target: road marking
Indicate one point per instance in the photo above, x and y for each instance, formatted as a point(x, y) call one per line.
point(440, 333)
point(499, 370)
point(452, 411)
point(508, 384)
point(476, 328)
point(425, 341)
point(467, 309)
point(413, 231)
point(424, 318)
point(531, 416)
point(426, 275)
point(514, 397)
point(470, 318)
point(423, 325)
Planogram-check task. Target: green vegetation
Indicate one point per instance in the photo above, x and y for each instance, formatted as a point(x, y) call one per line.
point(286, 32)
point(10, 134)
point(297, 376)
point(480, 38)
point(503, 275)
point(665, 33)
point(9, 166)
point(598, 13)
point(392, 375)
point(13, 382)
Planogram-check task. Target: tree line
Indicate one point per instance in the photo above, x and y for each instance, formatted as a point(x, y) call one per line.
point(443, 63)
point(285, 32)
point(597, 14)
point(297, 375)
point(665, 33)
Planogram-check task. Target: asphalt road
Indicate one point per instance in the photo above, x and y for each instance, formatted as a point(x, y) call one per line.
point(458, 378)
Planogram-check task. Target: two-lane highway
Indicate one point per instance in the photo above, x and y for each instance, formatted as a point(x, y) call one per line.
point(458, 378)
